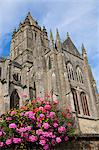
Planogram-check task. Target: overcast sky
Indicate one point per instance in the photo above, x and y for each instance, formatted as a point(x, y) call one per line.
point(79, 18)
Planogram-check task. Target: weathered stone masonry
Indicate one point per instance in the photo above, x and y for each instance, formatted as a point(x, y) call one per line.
point(38, 66)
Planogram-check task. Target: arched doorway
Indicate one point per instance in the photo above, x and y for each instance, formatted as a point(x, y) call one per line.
point(14, 99)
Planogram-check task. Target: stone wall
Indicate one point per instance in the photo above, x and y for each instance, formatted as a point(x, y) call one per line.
point(88, 125)
point(85, 142)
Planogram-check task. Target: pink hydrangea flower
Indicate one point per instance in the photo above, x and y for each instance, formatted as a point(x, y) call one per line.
point(45, 134)
point(42, 137)
point(12, 125)
point(52, 114)
point(30, 114)
point(53, 142)
point(40, 99)
point(55, 125)
point(25, 135)
point(46, 125)
point(47, 103)
point(8, 118)
point(46, 147)
point(13, 113)
point(16, 140)
point(28, 128)
point(42, 142)
point(66, 138)
point(61, 129)
point(39, 124)
point(8, 141)
point(42, 115)
point(22, 129)
point(1, 144)
point(1, 133)
point(39, 131)
point(32, 138)
point(47, 107)
point(41, 108)
point(58, 140)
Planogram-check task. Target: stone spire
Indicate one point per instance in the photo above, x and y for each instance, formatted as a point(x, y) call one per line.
point(84, 53)
point(51, 40)
point(58, 43)
point(83, 49)
point(67, 35)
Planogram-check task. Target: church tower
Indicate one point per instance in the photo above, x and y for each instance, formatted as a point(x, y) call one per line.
point(40, 66)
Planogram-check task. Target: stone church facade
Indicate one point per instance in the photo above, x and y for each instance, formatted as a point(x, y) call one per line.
point(38, 66)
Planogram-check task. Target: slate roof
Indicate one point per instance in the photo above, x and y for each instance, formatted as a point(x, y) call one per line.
point(69, 46)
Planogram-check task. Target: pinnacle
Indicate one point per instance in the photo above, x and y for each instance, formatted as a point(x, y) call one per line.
point(51, 35)
point(83, 46)
point(57, 35)
point(67, 35)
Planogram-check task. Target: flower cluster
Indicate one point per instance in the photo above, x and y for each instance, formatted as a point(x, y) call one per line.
point(40, 124)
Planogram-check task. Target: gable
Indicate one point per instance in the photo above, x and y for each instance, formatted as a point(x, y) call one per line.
point(70, 47)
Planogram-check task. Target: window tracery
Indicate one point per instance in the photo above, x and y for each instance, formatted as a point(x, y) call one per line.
point(70, 71)
point(84, 104)
point(76, 104)
point(79, 75)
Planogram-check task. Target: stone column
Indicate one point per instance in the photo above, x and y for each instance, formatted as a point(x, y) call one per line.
point(63, 101)
point(79, 101)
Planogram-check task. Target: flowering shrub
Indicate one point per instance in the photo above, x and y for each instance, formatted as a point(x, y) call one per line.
point(39, 125)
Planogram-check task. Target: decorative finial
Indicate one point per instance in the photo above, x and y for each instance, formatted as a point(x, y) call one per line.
point(57, 32)
point(29, 14)
point(44, 29)
point(14, 31)
point(83, 49)
point(67, 34)
point(20, 24)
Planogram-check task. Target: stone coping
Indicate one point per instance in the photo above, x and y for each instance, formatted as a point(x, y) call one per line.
point(87, 136)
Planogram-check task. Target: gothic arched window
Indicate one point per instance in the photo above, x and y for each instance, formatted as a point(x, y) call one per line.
point(84, 104)
point(79, 75)
point(70, 71)
point(14, 99)
point(76, 104)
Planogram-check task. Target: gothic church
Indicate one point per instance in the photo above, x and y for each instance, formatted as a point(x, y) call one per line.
point(38, 66)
